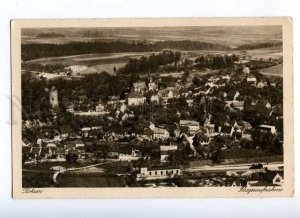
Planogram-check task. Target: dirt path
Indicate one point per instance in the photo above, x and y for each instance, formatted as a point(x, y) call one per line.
point(75, 168)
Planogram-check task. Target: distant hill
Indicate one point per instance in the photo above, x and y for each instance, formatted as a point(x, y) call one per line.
point(50, 35)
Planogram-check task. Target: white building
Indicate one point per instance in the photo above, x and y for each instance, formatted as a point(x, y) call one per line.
point(135, 98)
point(100, 108)
point(193, 125)
point(246, 70)
point(139, 87)
point(251, 79)
point(267, 128)
point(160, 133)
point(158, 173)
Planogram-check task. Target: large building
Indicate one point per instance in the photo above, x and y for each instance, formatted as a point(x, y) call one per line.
point(161, 172)
point(135, 98)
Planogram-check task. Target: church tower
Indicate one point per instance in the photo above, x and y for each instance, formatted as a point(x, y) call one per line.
point(53, 98)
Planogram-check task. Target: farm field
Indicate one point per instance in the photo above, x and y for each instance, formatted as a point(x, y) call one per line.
point(90, 59)
point(232, 36)
point(96, 63)
point(273, 71)
point(272, 52)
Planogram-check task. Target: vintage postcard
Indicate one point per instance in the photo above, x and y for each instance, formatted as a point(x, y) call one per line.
point(147, 108)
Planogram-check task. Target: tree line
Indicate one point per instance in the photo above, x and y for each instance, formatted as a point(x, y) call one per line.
point(35, 51)
point(150, 63)
point(258, 45)
point(215, 61)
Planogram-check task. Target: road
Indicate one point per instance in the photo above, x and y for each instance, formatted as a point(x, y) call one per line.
point(77, 168)
point(232, 167)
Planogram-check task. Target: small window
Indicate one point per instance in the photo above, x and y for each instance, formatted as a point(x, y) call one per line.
point(177, 171)
point(155, 172)
point(171, 171)
point(150, 173)
point(162, 172)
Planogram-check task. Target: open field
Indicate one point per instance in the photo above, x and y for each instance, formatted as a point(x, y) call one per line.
point(272, 52)
point(103, 67)
point(90, 59)
point(90, 180)
point(96, 63)
point(230, 35)
point(273, 71)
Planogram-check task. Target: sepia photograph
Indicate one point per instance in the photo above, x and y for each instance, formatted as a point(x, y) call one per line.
point(122, 108)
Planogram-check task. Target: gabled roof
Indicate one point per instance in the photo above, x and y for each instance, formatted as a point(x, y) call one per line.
point(139, 85)
point(160, 131)
point(189, 122)
point(148, 132)
point(135, 95)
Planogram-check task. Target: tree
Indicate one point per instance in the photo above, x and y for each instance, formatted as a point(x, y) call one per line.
point(177, 57)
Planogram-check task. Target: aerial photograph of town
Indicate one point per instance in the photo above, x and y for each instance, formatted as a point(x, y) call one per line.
point(152, 107)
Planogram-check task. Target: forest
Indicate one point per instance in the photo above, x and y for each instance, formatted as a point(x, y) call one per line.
point(35, 51)
point(151, 63)
point(258, 45)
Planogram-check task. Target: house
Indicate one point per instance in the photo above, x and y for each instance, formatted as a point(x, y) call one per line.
point(226, 77)
point(151, 85)
point(113, 100)
point(244, 125)
point(165, 151)
point(222, 94)
point(238, 105)
point(240, 183)
point(165, 94)
point(160, 172)
point(246, 70)
point(181, 130)
point(135, 155)
point(26, 143)
point(139, 87)
point(277, 180)
point(267, 128)
point(160, 134)
point(193, 125)
point(263, 107)
point(190, 102)
point(100, 108)
point(273, 177)
point(125, 116)
point(210, 127)
point(51, 145)
point(262, 83)
point(251, 79)
point(144, 133)
point(232, 95)
point(135, 98)
point(122, 107)
point(236, 79)
point(48, 152)
point(154, 99)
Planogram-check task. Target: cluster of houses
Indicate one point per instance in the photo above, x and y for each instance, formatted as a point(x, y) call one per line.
point(56, 145)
